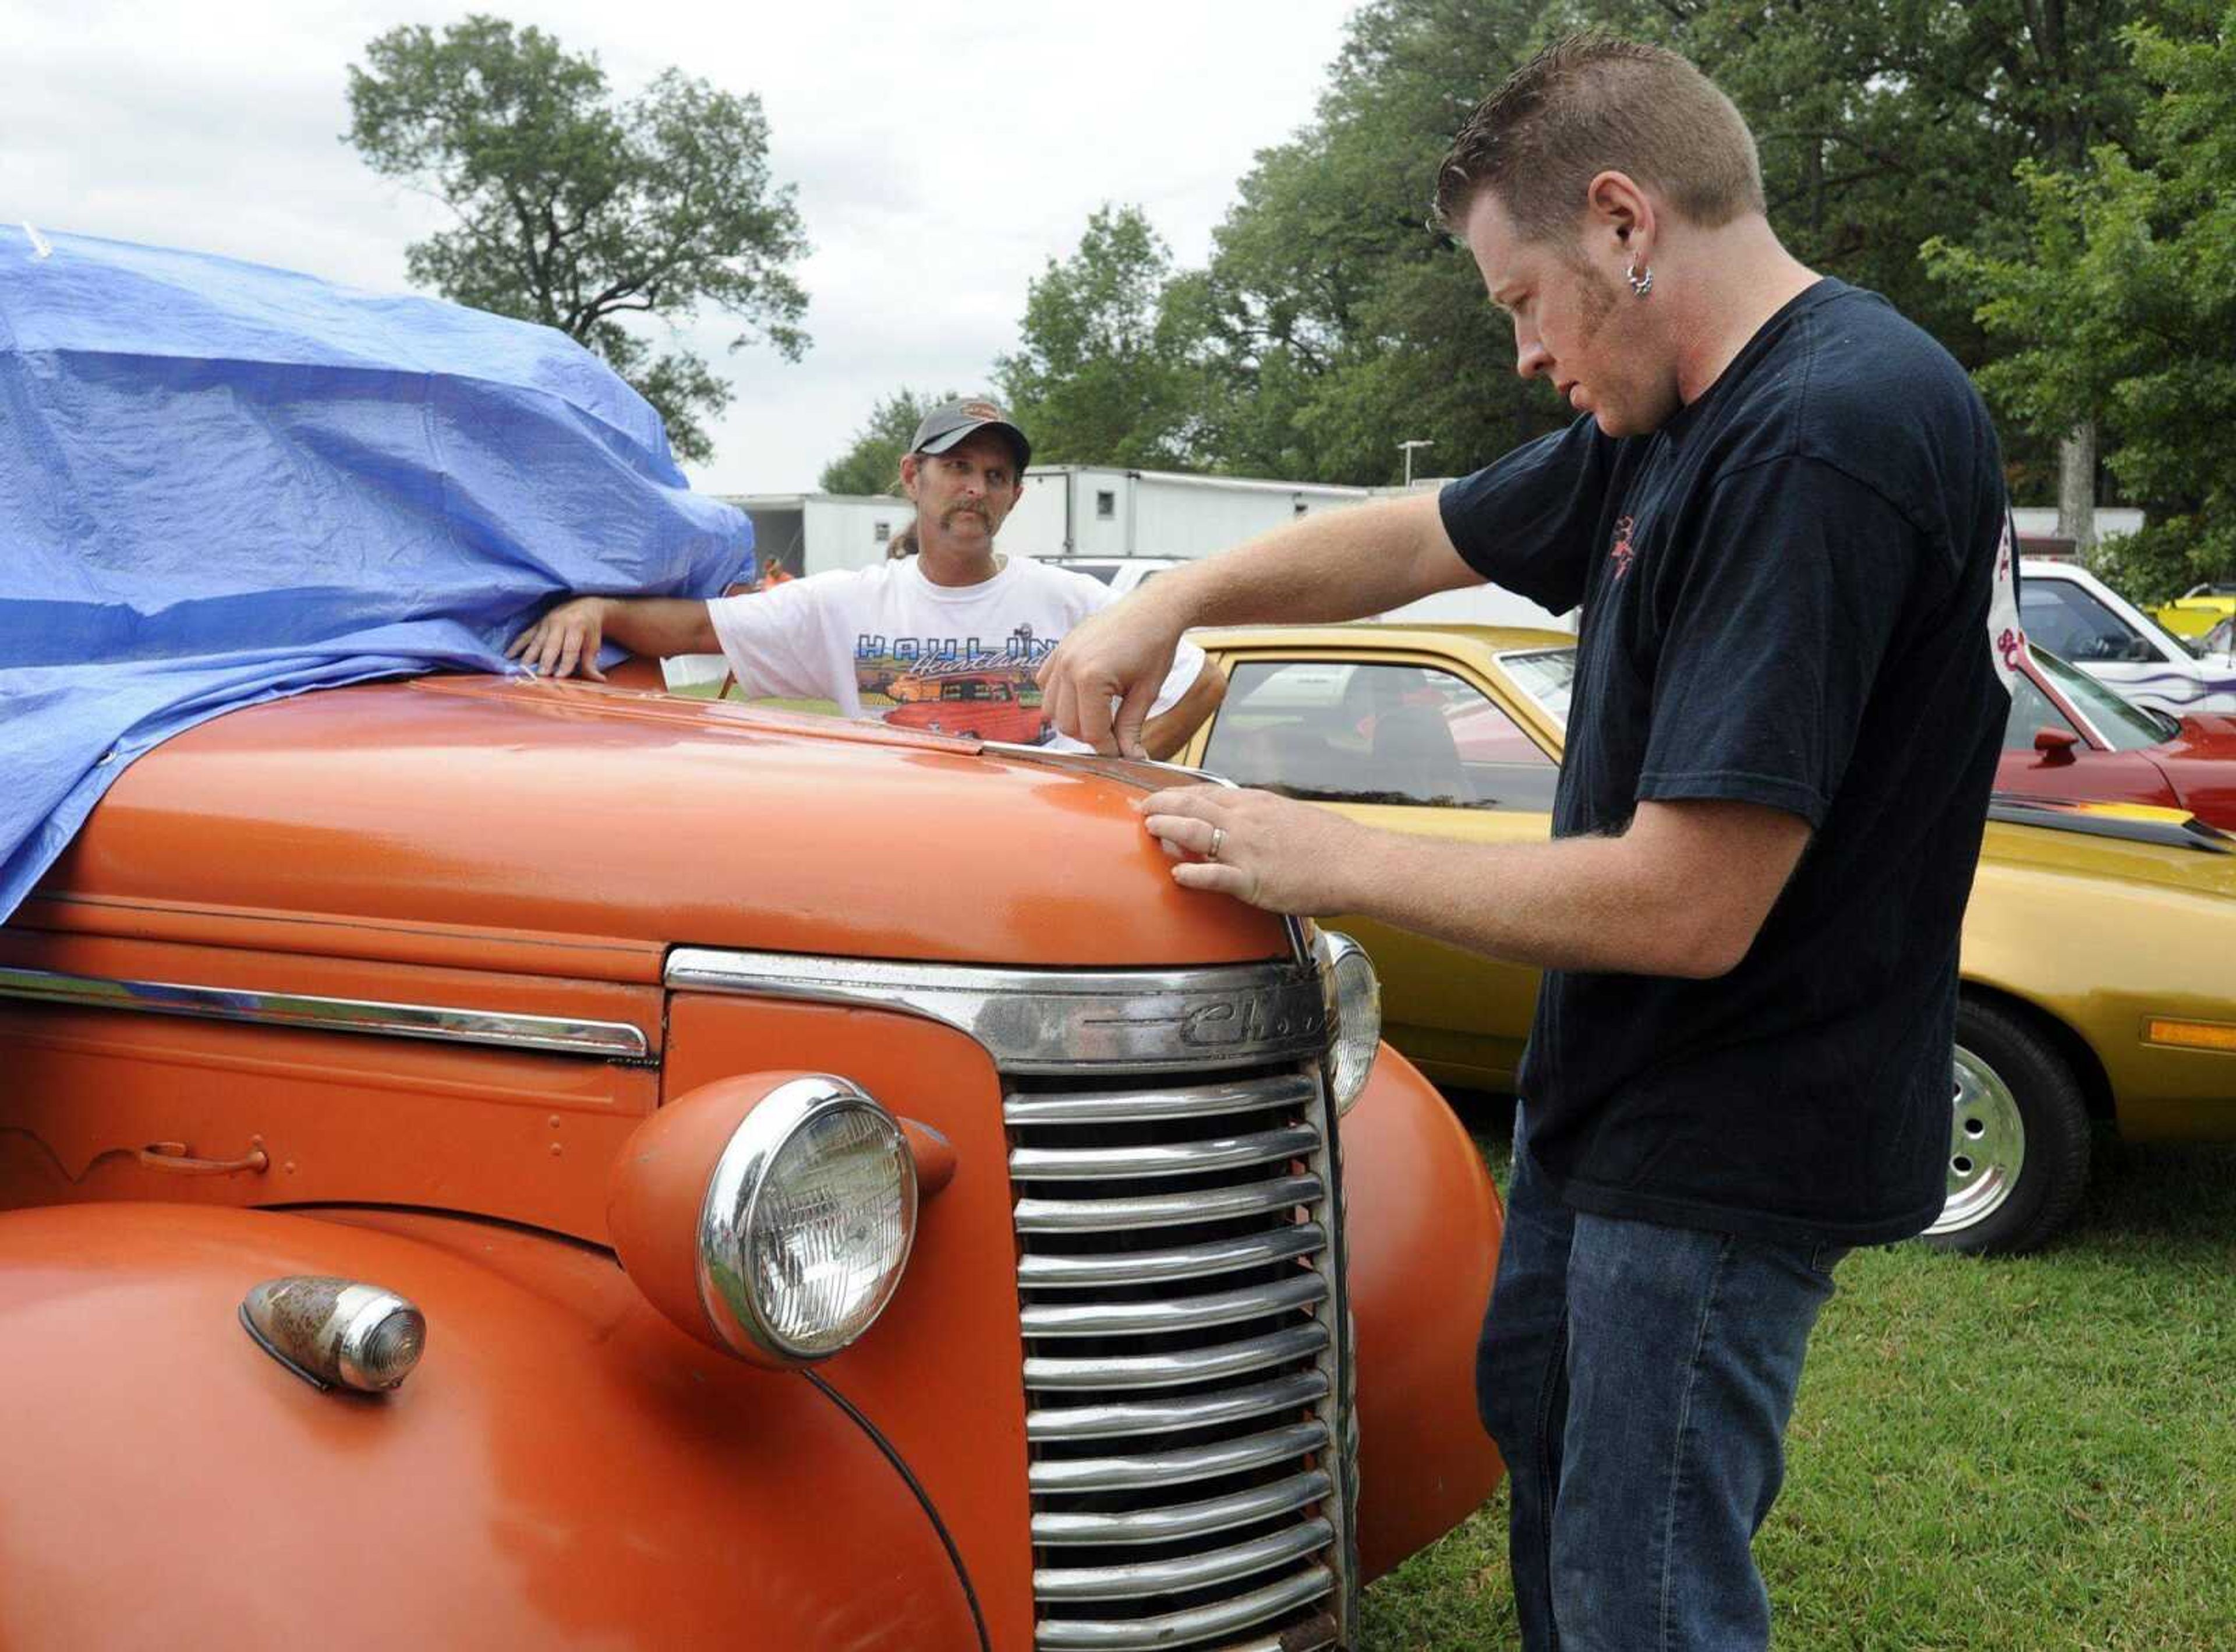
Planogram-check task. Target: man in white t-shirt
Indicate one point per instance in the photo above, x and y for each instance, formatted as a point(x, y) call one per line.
point(948, 640)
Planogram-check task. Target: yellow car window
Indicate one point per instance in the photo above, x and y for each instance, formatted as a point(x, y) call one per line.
point(1372, 731)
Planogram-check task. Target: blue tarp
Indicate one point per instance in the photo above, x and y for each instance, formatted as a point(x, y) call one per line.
point(220, 484)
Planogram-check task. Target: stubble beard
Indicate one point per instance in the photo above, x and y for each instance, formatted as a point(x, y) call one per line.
point(1596, 294)
point(1596, 299)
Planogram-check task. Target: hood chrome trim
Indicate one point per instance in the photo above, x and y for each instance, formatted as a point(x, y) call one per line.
point(1056, 1021)
point(560, 1035)
point(1150, 773)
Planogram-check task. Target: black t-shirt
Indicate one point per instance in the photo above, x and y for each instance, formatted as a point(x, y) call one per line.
point(1786, 596)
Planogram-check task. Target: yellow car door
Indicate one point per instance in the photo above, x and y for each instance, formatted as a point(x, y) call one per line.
point(1422, 740)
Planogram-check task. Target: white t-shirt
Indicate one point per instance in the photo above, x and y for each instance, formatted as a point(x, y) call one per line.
point(887, 644)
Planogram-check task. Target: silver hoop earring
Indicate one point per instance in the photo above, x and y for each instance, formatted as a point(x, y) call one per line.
point(1641, 285)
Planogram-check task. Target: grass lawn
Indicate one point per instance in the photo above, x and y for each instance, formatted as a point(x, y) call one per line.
point(2037, 1454)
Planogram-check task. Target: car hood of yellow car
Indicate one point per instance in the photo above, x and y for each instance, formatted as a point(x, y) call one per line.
point(2137, 842)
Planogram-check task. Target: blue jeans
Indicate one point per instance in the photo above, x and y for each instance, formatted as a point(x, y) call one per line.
point(1638, 1380)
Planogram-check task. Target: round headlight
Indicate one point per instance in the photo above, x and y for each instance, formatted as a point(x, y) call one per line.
point(807, 1221)
point(1354, 1007)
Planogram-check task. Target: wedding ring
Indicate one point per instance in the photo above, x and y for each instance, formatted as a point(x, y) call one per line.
point(1217, 839)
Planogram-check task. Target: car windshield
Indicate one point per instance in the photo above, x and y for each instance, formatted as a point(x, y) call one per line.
point(1547, 675)
point(2127, 727)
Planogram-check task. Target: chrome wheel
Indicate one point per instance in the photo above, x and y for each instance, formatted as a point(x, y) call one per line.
point(1986, 1146)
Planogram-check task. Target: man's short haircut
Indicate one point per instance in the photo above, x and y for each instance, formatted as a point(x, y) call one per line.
point(1592, 103)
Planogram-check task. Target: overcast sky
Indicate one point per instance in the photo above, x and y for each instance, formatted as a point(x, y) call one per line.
point(941, 154)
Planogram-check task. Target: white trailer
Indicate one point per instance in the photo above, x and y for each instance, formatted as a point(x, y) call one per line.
point(812, 533)
point(1101, 510)
point(2038, 535)
point(1095, 510)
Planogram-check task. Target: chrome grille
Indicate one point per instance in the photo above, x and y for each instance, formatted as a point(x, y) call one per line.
point(1188, 1371)
point(1187, 1402)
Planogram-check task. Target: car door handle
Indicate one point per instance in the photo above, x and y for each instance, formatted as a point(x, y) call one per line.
point(173, 1156)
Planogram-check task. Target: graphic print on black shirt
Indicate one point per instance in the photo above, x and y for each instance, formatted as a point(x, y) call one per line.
point(1786, 593)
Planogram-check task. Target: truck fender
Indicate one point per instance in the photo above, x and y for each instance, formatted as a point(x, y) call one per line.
point(562, 1468)
point(1422, 1249)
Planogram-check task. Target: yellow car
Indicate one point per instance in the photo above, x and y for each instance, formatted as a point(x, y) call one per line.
point(2197, 610)
point(2099, 966)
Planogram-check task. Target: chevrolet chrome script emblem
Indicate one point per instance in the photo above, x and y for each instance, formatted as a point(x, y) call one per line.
point(1056, 1021)
point(1242, 1018)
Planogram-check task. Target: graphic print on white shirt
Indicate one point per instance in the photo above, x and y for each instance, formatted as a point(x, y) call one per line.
point(2007, 636)
point(885, 643)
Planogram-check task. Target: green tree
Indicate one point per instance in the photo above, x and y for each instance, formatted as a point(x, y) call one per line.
point(2122, 302)
point(1334, 322)
point(1885, 123)
point(871, 464)
point(1340, 321)
point(578, 212)
point(1102, 372)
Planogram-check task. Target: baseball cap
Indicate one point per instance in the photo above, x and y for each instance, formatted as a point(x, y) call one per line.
point(949, 421)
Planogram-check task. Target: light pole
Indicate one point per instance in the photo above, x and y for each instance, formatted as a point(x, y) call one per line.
point(1406, 448)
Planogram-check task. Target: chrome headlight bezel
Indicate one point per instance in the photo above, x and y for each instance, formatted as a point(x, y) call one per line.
point(749, 1165)
point(1353, 994)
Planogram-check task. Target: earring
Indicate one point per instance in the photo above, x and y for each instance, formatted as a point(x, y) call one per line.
point(1639, 284)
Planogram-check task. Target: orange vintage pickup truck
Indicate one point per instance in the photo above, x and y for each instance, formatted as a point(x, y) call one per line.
point(493, 1162)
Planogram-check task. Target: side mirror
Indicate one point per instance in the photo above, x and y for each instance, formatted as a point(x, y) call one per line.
point(2056, 744)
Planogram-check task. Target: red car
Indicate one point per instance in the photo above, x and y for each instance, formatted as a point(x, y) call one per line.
point(978, 704)
point(2069, 736)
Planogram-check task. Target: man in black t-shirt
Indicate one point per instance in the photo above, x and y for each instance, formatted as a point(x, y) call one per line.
point(1782, 514)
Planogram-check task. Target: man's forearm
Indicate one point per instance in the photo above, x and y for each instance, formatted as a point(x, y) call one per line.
point(1338, 565)
point(1575, 903)
point(660, 626)
point(1682, 892)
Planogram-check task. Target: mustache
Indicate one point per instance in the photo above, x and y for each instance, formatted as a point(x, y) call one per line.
point(949, 514)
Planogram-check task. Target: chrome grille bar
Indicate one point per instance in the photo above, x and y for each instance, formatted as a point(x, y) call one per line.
point(1292, 1393)
point(1177, 1313)
point(1182, 1463)
point(1195, 1571)
point(1190, 1261)
point(1164, 1158)
point(1303, 1341)
point(1298, 1492)
point(1165, 1210)
point(1130, 1106)
point(1189, 1627)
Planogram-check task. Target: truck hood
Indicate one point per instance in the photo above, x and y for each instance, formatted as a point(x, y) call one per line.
point(596, 821)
